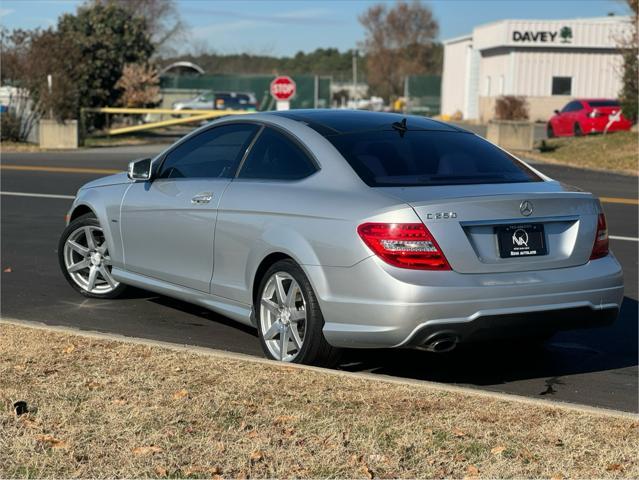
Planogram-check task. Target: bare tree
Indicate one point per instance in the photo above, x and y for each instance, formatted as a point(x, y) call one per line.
point(162, 16)
point(511, 107)
point(140, 85)
point(28, 59)
point(399, 42)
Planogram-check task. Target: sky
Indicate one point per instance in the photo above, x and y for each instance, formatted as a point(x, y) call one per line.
point(283, 27)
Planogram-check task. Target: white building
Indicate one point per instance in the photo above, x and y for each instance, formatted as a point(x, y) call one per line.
point(548, 61)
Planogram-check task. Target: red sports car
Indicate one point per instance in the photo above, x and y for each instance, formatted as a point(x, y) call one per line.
point(584, 116)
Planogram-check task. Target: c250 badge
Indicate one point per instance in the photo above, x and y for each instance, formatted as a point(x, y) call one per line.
point(441, 215)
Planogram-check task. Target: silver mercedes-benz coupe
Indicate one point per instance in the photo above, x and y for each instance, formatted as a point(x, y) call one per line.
point(327, 229)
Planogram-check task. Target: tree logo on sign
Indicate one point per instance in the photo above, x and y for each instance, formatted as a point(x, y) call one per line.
point(566, 35)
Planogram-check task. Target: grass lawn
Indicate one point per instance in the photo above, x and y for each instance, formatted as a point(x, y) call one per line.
point(617, 151)
point(112, 409)
point(19, 147)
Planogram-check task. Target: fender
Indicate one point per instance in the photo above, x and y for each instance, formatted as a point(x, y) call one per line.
point(281, 240)
point(105, 204)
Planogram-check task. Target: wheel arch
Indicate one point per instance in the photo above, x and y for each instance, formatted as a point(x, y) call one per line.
point(79, 210)
point(266, 263)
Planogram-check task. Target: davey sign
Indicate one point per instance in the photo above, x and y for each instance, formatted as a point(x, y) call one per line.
point(544, 36)
point(283, 88)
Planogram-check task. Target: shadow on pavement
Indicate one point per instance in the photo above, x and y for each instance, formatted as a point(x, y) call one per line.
point(566, 353)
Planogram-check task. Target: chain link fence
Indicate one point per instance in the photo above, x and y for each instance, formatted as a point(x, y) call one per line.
point(312, 91)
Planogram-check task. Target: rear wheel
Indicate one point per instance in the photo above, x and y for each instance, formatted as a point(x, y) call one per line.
point(578, 131)
point(85, 261)
point(289, 319)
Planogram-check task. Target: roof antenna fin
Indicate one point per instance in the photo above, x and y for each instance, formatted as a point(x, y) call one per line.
point(400, 127)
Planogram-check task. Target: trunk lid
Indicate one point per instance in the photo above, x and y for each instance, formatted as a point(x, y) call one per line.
point(606, 111)
point(464, 220)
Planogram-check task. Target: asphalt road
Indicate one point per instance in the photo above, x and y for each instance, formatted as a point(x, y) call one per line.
point(595, 367)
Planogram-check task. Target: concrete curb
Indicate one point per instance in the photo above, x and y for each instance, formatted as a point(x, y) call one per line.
point(361, 375)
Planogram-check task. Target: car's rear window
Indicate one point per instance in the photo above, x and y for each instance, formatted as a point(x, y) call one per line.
point(417, 158)
point(603, 103)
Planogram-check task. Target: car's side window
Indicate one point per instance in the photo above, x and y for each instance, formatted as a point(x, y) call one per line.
point(214, 153)
point(275, 157)
point(572, 107)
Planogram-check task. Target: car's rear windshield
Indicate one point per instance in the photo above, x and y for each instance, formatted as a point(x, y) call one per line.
point(603, 103)
point(418, 158)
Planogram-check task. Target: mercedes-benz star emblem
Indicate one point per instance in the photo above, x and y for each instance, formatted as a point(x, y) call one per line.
point(526, 208)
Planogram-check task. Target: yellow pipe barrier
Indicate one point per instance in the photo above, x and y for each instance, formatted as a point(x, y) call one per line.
point(192, 116)
point(163, 123)
point(162, 111)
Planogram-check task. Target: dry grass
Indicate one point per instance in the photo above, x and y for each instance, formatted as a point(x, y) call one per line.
point(19, 147)
point(112, 409)
point(614, 152)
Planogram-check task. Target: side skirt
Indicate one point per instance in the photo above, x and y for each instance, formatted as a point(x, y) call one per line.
point(229, 308)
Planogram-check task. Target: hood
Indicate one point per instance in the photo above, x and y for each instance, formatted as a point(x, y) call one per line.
point(116, 179)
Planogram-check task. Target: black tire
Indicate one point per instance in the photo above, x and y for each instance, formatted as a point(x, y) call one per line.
point(578, 131)
point(86, 220)
point(315, 349)
point(550, 132)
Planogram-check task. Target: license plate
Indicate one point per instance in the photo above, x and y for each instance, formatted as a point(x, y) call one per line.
point(522, 240)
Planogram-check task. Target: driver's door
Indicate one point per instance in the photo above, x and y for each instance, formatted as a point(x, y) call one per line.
point(168, 223)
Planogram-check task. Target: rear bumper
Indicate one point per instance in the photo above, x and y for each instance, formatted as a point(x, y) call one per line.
point(514, 325)
point(598, 125)
point(374, 305)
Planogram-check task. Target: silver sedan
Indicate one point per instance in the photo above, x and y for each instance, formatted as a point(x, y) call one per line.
point(329, 229)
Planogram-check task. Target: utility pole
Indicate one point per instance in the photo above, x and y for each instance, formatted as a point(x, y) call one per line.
point(50, 88)
point(355, 75)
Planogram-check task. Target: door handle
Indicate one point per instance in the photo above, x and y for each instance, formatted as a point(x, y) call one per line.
point(202, 198)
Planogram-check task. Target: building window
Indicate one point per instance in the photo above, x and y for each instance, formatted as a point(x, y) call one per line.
point(562, 85)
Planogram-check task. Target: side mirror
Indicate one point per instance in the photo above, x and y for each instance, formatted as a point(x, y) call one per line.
point(557, 112)
point(140, 170)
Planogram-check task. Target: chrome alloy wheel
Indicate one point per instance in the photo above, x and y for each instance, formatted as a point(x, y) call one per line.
point(283, 316)
point(87, 260)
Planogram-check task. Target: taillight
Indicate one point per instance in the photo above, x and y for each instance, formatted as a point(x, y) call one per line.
point(405, 245)
point(600, 248)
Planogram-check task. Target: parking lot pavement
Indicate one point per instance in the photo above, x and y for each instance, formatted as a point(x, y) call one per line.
point(596, 367)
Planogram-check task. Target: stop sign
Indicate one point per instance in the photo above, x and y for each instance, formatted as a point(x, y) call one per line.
point(283, 88)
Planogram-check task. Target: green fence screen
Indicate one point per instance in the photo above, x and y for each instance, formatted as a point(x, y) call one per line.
point(311, 92)
point(423, 94)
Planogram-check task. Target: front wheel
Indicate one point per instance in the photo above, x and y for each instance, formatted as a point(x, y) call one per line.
point(289, 319)
point(550, 132)
point(85, 261)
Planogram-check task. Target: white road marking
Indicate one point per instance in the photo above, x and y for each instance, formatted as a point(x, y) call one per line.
point(38, 195)
point(627, 239)
point(71, 197)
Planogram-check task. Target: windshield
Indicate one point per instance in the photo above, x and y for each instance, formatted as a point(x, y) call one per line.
point(417, 158)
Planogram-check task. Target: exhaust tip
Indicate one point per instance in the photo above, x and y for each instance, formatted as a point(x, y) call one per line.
point(440, 343)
